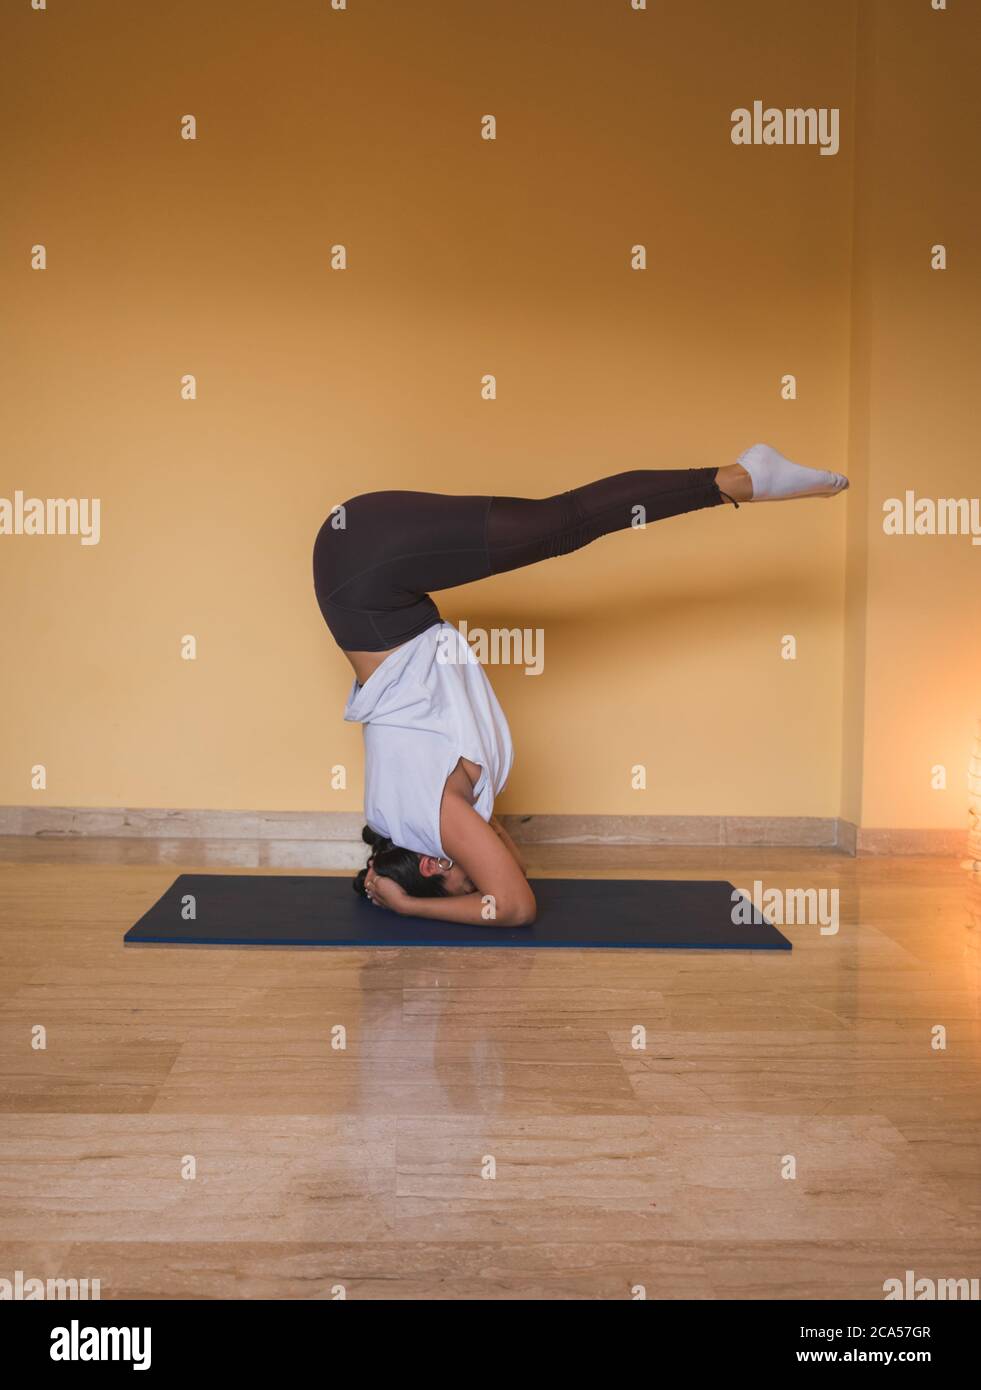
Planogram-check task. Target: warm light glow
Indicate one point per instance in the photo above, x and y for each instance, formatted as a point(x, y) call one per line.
point(974, 804)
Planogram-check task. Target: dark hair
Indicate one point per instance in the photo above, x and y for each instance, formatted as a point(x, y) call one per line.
point(391, 861)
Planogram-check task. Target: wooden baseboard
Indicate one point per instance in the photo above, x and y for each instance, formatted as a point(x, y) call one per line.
point(332, 839)
point(118, 822)
point(800, 832)
point(948, 843)
point(78, 822)
point(848, 837)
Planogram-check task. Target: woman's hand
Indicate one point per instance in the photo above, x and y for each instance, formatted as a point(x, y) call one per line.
point(385, 892)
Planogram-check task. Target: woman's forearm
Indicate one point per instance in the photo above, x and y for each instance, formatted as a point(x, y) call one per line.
point(470, 909)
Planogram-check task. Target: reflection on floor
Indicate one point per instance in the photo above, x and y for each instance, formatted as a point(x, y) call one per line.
point(451, 1124)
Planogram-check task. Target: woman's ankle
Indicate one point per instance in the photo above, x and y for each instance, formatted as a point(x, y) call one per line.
point(734, 482)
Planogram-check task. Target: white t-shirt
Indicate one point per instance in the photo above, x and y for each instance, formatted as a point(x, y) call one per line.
point(426, 706)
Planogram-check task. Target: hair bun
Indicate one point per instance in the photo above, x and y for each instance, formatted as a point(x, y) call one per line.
point(374, 839)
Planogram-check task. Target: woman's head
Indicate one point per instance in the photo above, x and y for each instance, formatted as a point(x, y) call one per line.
point(420, 875)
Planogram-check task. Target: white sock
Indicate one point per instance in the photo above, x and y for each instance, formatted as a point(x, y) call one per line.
point(775, 478)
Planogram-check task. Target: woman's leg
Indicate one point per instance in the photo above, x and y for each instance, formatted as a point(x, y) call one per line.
point(378, 556)
point(521, 531)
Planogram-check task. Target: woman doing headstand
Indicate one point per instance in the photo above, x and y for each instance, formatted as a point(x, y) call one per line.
point(437, 745)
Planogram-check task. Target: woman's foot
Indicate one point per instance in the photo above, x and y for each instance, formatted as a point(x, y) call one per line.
point(764, 475)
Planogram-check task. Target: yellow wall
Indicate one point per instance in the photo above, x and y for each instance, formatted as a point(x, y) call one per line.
point(469, 257)
point(913, 668)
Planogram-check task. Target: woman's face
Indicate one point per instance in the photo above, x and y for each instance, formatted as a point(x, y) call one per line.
point(456, 882)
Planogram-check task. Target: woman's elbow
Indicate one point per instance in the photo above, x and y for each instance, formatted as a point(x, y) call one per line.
point(521, 913)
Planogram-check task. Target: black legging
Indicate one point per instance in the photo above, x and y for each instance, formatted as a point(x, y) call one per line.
point(376, 557)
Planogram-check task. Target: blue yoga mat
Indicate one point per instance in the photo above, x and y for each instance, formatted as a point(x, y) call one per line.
point(605, 914)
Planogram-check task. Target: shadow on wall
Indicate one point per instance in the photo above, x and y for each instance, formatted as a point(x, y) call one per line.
point(687, 613)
